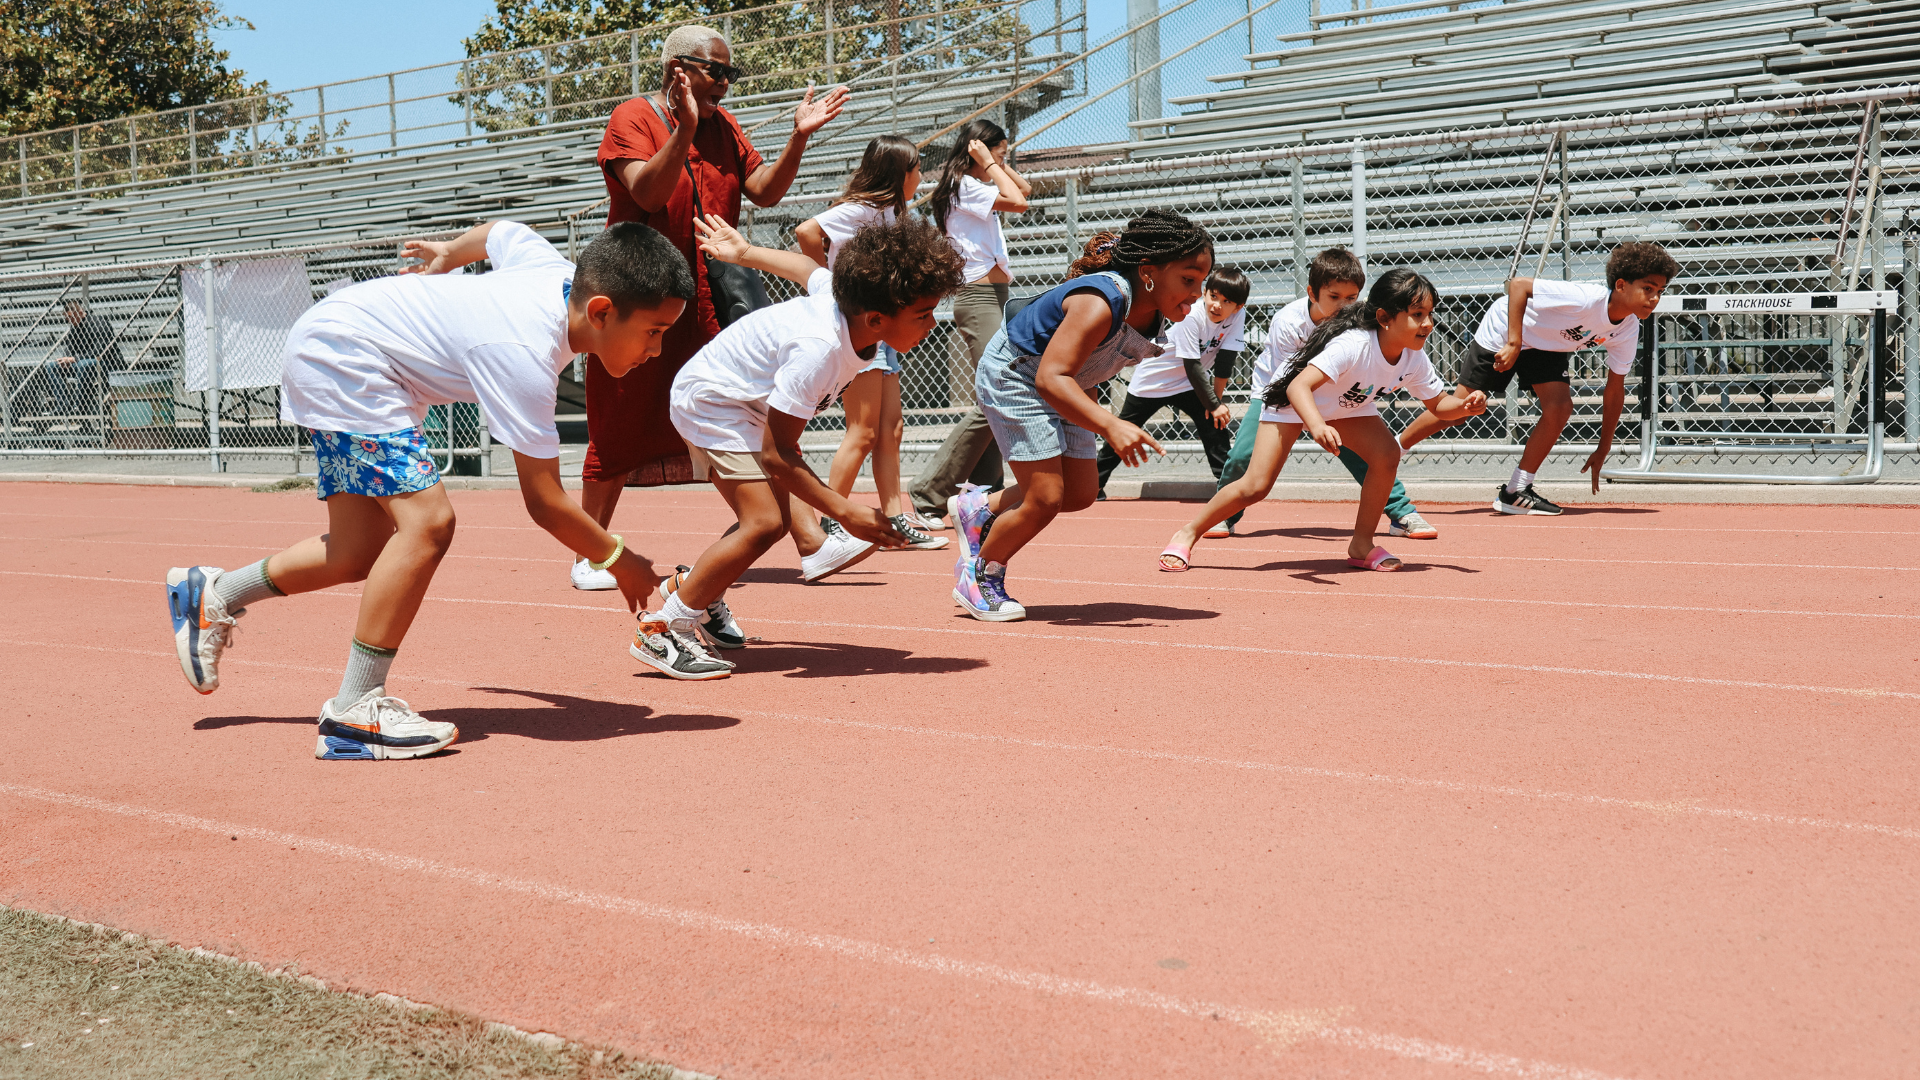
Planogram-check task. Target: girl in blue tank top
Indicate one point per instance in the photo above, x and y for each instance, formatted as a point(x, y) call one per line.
point(1033, 381)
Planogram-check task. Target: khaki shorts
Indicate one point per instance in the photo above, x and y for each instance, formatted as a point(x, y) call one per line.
point(710, 465)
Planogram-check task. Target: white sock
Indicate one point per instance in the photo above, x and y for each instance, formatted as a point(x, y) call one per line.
point(678, 615)
point(1521, 480)
point(366, 670)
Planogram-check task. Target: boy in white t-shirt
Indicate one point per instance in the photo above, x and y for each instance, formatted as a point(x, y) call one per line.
point(743, 401)
point(361, 368)
point(1532, 333)
point(1193, 371)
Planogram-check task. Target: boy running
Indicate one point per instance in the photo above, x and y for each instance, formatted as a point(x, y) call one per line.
point(1334, 280)
point(1532, 333)
point(742, 402)
point(360, 369)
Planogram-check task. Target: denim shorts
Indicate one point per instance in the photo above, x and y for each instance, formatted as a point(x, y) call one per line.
point(1024, 425)
point(885, 358)
point(373, 465)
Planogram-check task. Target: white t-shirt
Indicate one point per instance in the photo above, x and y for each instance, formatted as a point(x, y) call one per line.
point(370, 358)
point(1565, 316)
point(793, 357)
point(1196, 337)
point(974, 229)
point(842, 220)
point(1289, 330)
point(1357, 374)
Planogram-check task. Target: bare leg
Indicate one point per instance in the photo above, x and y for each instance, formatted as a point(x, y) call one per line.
point(1426, 423)
point(1370, 437)
point(599, 498)
point(1556, 408)
point(1036, 498)
point(393, 543)
point(762, 509)
point(1271, 445)
point(886, 453)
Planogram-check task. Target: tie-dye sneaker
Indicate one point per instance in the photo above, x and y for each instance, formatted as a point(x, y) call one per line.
point(985, 598)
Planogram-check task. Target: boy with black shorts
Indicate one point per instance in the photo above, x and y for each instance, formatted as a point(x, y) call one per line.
point(1530, 335)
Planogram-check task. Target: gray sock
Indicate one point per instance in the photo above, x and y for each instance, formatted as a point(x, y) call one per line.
point(366, 670)
point(245, 586)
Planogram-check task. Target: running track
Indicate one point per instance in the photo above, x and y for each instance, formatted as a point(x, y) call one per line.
point(1626, 794)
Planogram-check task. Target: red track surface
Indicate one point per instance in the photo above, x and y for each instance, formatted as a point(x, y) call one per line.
point(1628, 794)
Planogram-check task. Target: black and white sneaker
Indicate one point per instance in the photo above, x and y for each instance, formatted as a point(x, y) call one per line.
point(916, 539)
point(675, 653)
point(1524, 501)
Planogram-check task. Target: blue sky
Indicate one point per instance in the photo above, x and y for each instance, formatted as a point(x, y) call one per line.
point(299, 43)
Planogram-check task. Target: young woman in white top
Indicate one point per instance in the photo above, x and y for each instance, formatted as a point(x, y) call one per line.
point(974, 187)
point(1370, 348)
point(876, 194)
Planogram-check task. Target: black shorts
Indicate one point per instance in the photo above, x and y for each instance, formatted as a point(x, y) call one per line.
point(1534, 367)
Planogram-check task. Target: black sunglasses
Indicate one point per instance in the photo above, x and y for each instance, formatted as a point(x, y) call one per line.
point(718, 71)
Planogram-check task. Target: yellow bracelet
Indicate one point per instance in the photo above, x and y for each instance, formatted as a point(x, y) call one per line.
point(619, 545)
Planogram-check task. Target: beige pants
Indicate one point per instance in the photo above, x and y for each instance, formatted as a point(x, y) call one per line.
point(711, 465)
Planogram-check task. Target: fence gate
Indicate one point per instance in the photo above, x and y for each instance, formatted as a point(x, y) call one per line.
point(1797, 376)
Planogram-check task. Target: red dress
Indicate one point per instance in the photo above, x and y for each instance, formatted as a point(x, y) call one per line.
point(628, 432)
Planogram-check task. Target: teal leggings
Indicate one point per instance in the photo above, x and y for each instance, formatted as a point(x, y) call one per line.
point(1398, 505)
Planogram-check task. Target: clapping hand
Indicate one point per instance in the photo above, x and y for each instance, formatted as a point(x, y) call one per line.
point(719, 239)
point(680, 102)
point(810, 116)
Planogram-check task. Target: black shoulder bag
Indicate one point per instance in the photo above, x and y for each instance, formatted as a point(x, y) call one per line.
point(736, 290)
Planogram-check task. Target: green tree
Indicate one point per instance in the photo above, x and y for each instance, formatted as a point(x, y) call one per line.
point(66, 62)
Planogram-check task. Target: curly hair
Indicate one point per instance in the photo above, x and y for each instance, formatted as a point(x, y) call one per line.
point(1393, 292)
point(1639, 259)
point(884, 268)
point(1155, 238)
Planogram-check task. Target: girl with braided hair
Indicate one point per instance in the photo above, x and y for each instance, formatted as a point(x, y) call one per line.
point(1370, 348)
point(1033, 385)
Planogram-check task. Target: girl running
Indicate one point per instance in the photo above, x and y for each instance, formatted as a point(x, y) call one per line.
point(1033, 384)
point(876, 194)
point(1369, 348)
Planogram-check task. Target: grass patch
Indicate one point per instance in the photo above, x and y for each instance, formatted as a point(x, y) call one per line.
point(93, 1002)
point(291, 483)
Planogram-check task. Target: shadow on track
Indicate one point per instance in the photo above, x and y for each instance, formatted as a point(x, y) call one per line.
point(1114, 614)
point(569, 719)
point(834, 659)
point(1329, 571)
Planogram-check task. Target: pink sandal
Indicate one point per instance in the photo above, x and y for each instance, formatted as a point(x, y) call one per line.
point(1175, 551)
point(1376, 560)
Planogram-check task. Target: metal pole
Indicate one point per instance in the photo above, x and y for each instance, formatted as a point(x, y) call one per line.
point(76, 159)
point(393, 118)
point(827, 5)
point(133, 152)
point(1360, 200)
point(1876, 217)
point(1299, 227)
point(22, 141)
point(466, 95)
point(1143, 57)
point(321, 91)
point(1566, 219)
point(486, 446)
point(193, 146)
point(633, 60)
point(253, 121)
point(1073, 214)
point(1910, 332)
point(213, 368)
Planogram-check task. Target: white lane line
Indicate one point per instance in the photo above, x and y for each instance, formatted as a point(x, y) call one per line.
point(1331, 552)
point(1345, 525)
point(557, 560)
point(853, 948)
point(1672, 806)
point(1317, 593)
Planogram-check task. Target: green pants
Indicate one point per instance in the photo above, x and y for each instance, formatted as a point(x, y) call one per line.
point(1398, 505)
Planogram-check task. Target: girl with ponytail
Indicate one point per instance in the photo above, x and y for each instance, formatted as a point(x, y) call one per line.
point(1033, 387)
point(1370, 348)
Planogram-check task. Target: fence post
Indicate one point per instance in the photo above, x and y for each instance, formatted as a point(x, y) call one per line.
point(828, 6)
point(1299, 226)
point(321, 93)
point(22, 141)
point(253, 143)
point(393, 118)
point(1360, 200)
point(486, 446)
point(1910, 332)
point(1566, 216)
point(1073, 215)
point(633, 59)
point(213, 367)
point(1876, 226)
point(466, 95)
point(76, 159)
point(1143, 54)
point(193, 146)
point(133, 152)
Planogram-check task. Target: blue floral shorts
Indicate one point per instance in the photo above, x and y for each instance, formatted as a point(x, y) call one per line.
point(375, 465)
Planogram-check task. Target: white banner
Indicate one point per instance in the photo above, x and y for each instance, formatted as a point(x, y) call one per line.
point(257, 302)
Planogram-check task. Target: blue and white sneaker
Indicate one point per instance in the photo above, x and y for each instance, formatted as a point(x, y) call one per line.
point(202, 625)
point(985, 598)
point(379, 728)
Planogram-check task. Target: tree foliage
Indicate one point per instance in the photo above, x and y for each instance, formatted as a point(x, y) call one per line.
point(65, 62)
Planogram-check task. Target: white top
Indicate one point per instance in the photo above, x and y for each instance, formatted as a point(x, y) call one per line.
point(1357, 374)
point(1195, 338)
point(370, 358)
point(842, 220)
point(792, 356)
point(1290, 328)
point(1565, 316)
point(974, 229)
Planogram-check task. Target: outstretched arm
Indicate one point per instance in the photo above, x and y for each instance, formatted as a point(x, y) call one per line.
point(768, 184)
point(441, 256)
point(1449, 409)
point(788, 467)
point(1086, 320)
point(1610, 406)
point(724, 242)
point(548, 505)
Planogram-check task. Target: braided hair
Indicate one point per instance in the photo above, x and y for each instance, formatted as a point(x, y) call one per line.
point(1393, 292)
point(1155, 238)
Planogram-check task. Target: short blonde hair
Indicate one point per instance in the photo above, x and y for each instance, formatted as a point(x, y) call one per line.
point(688, 41)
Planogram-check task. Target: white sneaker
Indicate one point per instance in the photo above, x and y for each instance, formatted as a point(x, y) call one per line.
point(719, 627)
point(587, 579)
point(841, 550)
point(202, 625)
point(925, 522)
point(675, 652)
point(377, 728)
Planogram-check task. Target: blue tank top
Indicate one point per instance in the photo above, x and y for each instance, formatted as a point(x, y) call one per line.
point(1032, 327)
